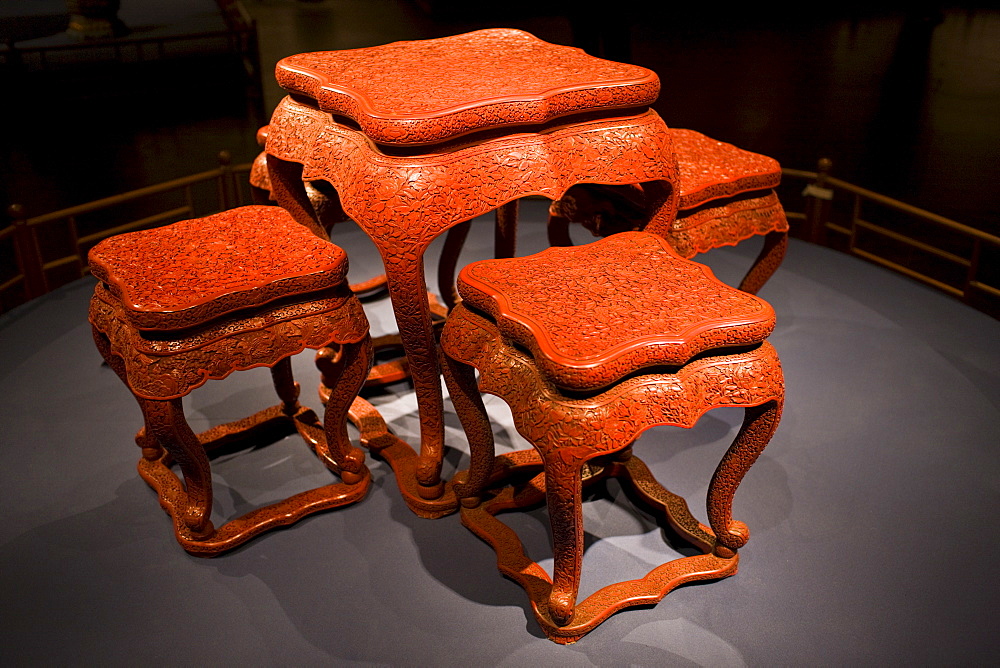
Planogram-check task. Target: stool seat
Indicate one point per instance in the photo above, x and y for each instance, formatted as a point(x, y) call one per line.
point(592, 314)
point(245, 258)
point(427, 91)
point(711, 169)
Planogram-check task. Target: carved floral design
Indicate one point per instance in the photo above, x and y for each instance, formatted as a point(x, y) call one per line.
point(189, 272)
point(581, 436)
point(710, 169)
point(426, 91)
point(405, 202)
point(719, 203)
point(542, 411)
point(170, 368)
point(162, 366)
point(702, 229)
point(632, 304)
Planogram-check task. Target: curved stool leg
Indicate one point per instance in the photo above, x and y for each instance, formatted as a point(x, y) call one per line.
point(468, 401)
point(564, 497)
point(285, 386)
point(759, 424)
point(767, 262)
point(176, 436)
point(349, 460)
point(151, 449)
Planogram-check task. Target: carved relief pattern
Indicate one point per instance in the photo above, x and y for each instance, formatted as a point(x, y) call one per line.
point(352, 326)
point(399, 95)
point(162, 366)
point(241, 344)
point(710, 169)
point(641, 306)
point(726, 225)
point(569, 430)
point(767, 262)
point(403, 203)
point(245, 257)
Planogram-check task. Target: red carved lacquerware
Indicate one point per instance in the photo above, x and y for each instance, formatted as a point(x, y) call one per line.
point(194, 301)
point(584, 376)
point(681, 310)
point(513, 116)
point(726, 196)
point(428, 91)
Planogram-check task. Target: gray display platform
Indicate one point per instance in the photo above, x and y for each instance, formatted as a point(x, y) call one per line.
point(870, 512)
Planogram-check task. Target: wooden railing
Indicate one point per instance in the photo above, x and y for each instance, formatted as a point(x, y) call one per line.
point(940, 252)
point(954, 258)
point(28, 241)
point(239, 38)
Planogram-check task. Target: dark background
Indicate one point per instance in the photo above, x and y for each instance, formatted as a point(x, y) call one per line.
point(903, 97)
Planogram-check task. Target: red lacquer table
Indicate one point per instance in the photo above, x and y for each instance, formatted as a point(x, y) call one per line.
point(420, 137)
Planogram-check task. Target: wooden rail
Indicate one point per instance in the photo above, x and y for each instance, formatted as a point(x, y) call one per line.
point(34, 274)
point(239, 37)
point(932, 259)
point(818, 223)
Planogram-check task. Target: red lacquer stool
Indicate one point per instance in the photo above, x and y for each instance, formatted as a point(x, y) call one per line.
point(726, 196)
point(591, 346)
point(194, 301)
point(418, 138)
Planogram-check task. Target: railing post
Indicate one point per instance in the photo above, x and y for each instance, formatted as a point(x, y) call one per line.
point(29, 257)
point(818, 198)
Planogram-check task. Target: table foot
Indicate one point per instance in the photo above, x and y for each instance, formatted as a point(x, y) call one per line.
point(426, 502)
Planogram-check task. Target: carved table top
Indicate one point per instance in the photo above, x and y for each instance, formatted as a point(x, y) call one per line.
point(427, 91)
point(195, 270)
point(644, 307)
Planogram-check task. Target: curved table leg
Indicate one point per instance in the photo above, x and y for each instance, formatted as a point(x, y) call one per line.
point(289, 191)
point(408, 292)
point(417, 476)
point(505, 230)
point(454, 240)
point(663, 200)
